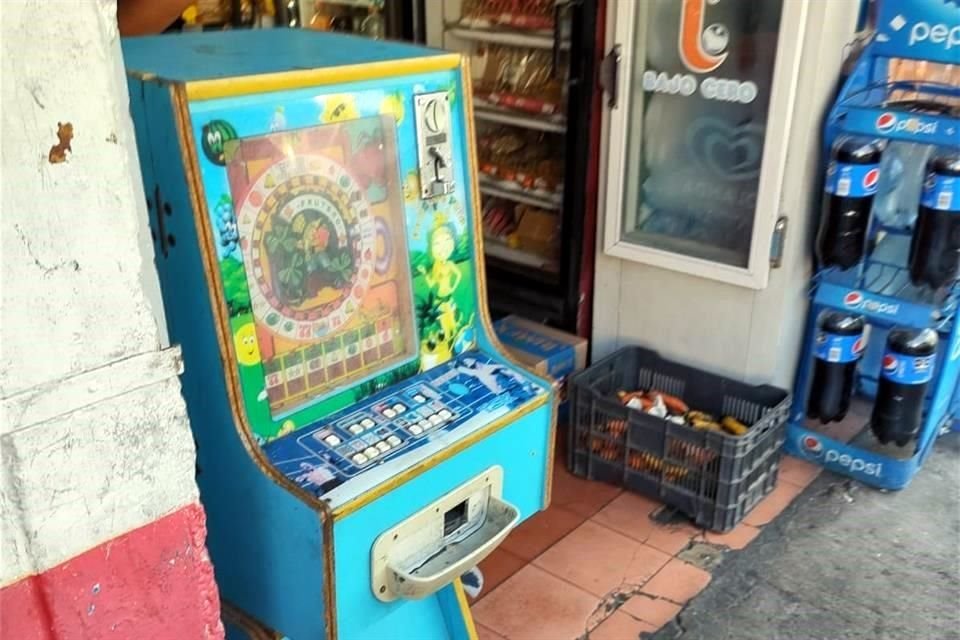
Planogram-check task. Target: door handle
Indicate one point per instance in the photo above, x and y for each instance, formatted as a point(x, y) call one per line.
point(610, 75)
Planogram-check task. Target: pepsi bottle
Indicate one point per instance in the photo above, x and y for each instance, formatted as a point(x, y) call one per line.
point(907, 370)
point(840, 343)
point(935, 246)
point(851, 184)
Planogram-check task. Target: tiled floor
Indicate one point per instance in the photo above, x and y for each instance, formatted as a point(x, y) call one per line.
point(595, 565)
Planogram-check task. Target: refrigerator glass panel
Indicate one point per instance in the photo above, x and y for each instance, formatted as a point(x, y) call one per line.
point(701, 83)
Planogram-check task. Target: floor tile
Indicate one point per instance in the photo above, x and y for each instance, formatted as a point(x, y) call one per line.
point(485, 633)
point(620, 626)
point(671, 538)
point(656, 611)
point(737, 538)
point(497, 567)
point(798, 472)
point(534, 605)
point(628, 514)
point(678, 581)
point(600, 560)
point(541, 531)
point(771, 506)
point(581, 496)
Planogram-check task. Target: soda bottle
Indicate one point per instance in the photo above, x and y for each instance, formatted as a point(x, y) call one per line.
point(840, 343)
point(852, 178)
point(907, 370)
point(935, 246)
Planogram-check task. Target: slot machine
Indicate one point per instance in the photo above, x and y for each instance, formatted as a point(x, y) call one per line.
point(362, 438)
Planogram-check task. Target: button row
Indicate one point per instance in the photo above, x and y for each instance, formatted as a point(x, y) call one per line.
point(431, 421)
point(373, 451)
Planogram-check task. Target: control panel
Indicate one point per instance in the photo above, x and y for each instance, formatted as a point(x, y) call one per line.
point(433, 144)
point(471, 389)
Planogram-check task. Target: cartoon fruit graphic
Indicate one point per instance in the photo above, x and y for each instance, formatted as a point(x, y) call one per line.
point(213, 136)
point(392, 105)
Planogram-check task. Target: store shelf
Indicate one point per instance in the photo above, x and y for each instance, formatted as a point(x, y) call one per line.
point(506, 190)
point(517, 256)
point(488, 113)
point(534, 40)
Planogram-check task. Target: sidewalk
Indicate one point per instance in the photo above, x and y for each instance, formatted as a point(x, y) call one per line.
point(596, 565)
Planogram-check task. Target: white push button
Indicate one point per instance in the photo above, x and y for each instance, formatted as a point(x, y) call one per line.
point(383, 446)
point(445, 414)
point(367, 423)
point(355, 429)
point(415, 430)
point(393, 440)
point(390, 413)
point(436, 419)
point(332, 440)
point(359, 458)
point(419, 398)
point(399, 408)
point(424, 424)
point(371, 452)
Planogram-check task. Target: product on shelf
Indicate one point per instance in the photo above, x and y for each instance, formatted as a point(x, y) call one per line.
point(519, 78)
point(499, 221)
point(908, 365)
point(521, 227)
point(538, 231)
point(851, 185)
point(362, 19)
point(840, 345)
point(519, 14)
point(519, 158)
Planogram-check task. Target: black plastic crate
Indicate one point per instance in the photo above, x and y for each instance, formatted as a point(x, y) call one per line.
point(714, 478)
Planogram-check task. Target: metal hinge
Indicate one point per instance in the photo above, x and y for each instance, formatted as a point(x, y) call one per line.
point(609, 75)
point(777, 242)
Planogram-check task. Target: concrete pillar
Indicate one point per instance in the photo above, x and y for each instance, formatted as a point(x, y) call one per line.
point(102, 532)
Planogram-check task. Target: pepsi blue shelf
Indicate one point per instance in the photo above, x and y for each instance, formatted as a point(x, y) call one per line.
point(913, 115)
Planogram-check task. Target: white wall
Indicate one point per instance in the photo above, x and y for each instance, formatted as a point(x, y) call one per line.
point(94, 434)
point(747, 334)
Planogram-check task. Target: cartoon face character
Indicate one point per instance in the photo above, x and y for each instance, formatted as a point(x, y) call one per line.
point(339, 108)
point(213, 136)
point(442, 243)
point(435, 349)
point(245, 342)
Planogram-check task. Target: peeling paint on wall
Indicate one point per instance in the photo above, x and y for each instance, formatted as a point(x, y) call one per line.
point(58, 152)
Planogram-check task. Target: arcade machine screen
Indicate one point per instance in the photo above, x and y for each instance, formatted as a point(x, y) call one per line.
point(322, 235)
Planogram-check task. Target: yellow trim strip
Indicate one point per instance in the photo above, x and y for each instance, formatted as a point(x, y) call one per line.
point(287, 80)
point(465, 610)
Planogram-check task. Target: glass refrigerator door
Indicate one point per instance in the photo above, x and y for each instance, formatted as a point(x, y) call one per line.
point(697, 133)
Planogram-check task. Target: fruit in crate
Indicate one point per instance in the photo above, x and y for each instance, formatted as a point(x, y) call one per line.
point(673, 409)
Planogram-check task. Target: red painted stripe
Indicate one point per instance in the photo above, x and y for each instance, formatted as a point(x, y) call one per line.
point(154, 582)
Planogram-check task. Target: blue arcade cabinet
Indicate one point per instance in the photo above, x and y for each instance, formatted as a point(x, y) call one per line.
point(362, 437)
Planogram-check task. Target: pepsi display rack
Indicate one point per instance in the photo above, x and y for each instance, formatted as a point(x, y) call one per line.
point(879, 288)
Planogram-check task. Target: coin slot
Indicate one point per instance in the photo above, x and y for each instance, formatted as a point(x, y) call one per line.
point(454, 518)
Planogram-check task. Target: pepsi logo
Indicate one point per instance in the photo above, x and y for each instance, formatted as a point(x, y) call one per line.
point(853, 299)
point(890, 362)
point(811, 445)
point(931, 181)
point(886, 122)
point(871, 179)
point(859, 345)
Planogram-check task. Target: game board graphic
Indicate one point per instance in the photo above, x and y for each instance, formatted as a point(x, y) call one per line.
point(320, 221)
